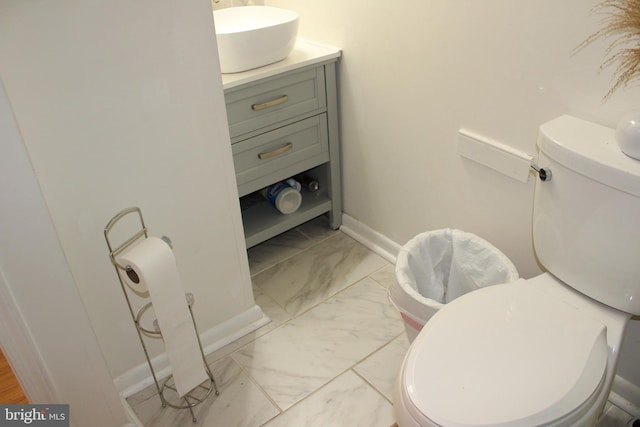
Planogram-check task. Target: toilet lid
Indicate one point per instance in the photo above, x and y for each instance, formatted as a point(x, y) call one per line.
point(505, 355)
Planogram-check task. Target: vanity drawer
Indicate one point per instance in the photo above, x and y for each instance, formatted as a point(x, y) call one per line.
point(274, 100)
point(281, 153)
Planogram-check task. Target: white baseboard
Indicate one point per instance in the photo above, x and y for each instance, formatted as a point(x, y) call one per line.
point(625, 396)
point(139, 377)
point(378, 243)
point(134, 421)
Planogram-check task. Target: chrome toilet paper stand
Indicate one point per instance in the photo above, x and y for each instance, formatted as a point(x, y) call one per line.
point(199, 393)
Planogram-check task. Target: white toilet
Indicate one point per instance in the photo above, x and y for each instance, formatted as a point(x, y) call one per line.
point(543, 351)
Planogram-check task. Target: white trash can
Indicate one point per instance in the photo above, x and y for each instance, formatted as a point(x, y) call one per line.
point(436, 267)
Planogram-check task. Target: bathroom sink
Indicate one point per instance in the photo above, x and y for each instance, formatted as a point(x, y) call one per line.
point(253, 36)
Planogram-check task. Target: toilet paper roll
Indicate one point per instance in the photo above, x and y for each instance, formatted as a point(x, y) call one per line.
point(153, 263)
point(131, 278)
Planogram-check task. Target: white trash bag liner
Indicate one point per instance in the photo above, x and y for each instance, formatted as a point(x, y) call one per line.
point(436, 267)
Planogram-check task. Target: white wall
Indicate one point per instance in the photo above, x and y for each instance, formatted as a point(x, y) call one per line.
point(45, 331)
point(120, 104)
point(413, 72)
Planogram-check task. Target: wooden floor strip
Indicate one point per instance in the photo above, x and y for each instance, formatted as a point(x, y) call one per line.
point(10, 390)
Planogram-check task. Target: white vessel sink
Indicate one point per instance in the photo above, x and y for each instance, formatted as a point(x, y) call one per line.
point(253, 36)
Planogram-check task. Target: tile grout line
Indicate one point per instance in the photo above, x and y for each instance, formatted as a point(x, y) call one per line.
point(327, 298)
point(300, 251)
point(262, 390)
point(332, 296)
point(352, 369)
point(317, 390)
point(297, 251)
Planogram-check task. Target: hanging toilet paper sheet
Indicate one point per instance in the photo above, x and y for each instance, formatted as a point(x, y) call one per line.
point(153, 262)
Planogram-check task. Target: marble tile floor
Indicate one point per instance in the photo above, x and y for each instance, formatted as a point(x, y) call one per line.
point(330, 354)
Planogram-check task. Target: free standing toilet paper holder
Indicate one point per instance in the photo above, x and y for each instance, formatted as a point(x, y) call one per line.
point(199, 393)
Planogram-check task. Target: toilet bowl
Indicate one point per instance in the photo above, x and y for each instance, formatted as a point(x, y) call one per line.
point(541, 351)
point(528, 353)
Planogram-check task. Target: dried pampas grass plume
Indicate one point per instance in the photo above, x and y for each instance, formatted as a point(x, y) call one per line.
point(623, 23)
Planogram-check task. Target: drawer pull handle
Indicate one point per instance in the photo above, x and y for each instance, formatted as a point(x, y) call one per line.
point(272, 103)
point(276, 152)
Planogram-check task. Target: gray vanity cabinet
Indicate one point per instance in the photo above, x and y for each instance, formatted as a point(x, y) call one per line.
point(282, 126)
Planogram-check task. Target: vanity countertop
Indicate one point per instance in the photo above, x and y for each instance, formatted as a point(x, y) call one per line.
point(304, 53)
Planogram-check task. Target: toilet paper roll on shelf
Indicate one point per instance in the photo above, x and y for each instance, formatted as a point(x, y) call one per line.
point(151, 267)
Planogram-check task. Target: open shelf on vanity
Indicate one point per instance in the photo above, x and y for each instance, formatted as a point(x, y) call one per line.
point(262, 221)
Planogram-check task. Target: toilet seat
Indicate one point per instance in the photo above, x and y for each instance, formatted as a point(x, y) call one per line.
point(506, 355)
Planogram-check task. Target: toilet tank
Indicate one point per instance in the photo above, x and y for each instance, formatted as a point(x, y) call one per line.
point(586, 218)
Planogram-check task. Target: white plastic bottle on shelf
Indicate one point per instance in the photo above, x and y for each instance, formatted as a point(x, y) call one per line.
point(283, 196)
point(294, 184)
